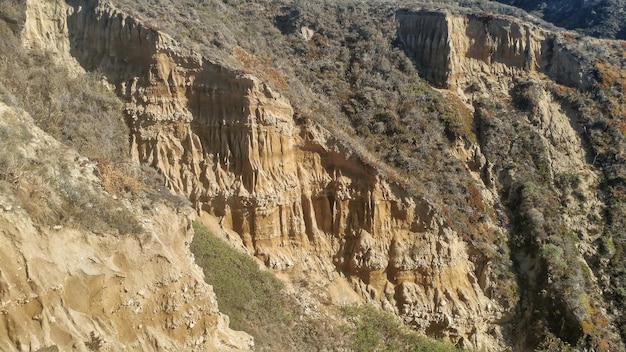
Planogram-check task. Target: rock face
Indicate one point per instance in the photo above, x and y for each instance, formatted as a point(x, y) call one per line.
point(482, 57)
point(494, 58)
point(76, 290)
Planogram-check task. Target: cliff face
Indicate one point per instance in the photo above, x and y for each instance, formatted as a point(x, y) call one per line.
point(72, 287)
point(496, 58)
point(455, 50)
point(489, 56)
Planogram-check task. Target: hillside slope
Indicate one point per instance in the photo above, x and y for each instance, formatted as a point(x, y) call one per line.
point(90, 258)
point(458, 167)
point(70, 277)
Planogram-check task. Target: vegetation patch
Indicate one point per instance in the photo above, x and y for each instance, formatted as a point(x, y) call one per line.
point(256, 302)
point(244, 291)
point(77, 110)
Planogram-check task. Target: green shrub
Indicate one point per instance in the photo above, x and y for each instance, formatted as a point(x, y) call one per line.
point(49, 349)
point(526, 95)
point(567, 180)
point(553, 255)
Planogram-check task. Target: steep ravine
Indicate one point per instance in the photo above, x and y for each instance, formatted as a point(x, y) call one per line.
point(298, 198)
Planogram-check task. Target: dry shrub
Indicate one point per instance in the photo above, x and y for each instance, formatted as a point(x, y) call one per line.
point(85, 208)
point(120, 179)
point(458, 118)
point(77, 110)
point(37, 199)
point(612, 82)
point(256, 66)
point(475, 201)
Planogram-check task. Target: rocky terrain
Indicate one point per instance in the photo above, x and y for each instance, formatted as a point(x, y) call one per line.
point(458, 167)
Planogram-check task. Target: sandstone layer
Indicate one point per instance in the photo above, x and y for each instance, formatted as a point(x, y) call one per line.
point(457, 49)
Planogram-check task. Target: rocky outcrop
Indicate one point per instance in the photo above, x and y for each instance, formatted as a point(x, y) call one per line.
point(66, 287)
point(487, 56)
point(45, 27)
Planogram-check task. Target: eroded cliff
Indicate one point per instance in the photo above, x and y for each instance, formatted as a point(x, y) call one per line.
point(308, 205)
point(458, 49)
point(523, 67)
point(298, 197)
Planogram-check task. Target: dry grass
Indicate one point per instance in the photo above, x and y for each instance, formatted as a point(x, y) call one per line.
point(612, 82)
point(78, 111)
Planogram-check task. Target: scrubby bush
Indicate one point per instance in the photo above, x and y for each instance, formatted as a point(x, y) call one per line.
point(373, 330)
point(526, 95)
point(77, 110)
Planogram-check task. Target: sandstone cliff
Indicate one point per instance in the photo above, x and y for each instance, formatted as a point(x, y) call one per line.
point(486, 57)
point(457, 49)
